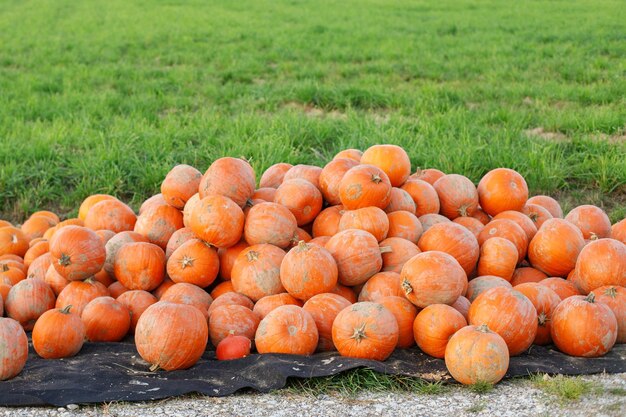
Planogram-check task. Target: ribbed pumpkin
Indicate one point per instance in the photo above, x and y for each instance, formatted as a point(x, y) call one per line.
point(502, 189)
point(180, 184)
point(35, 251)
point(105, 235)
point(583, 327)
point(357, 254)
point(424, 196)
point(364, 186)
point(116, 289)
point(509, 230)
point(430, 175)
point(189, 206)
point(91, 201)
point(11, 273)
point(177, 239)
point(462, 305)
point(537, 214)
point(38, 268)
point(59, 333)
point(194, 262)
point(498, 256)
point(77, 253)
point(331, 176)
point(256, 272)
point(46, 213)
point(400, 200)
point(615, 298)
point(397, 252)
point(13, 241)
point(522, 221)
point(618, 231)
point(274, 175)
point(481, 216)
point(15, 352)
point(324, 308)
point(405, 313)
point(308, 270)
point(434, 326)
point(354, 154)
point(381, 285)
point(433, 278)
point(365, 330)
point(55, 280)
point(110, 214)
point(209, 216)
point(287, 329)
point(454, 240)
point(136, 301)
point(232, 319)
point(555, 247)
point(231, 298)
point(158, 224)
point(28, 300)
point(562, 287)
point(183, 293)
point(405, 225)
point(140, 266)
point(320, 240)
point(481, 284)
point(327, 222)
point(152, 202)
point(79, 293)
point(429, 220)
point(600, 263)
point(470, 223)
point(591, 220)
point(227, 257)
point(457, 196)
point(301, 197)
point(36, 226)
point(310, 173)
point(509, 313)
point(272, 302)
point(228, 177)
point(527, 274)
point(171, 336)
point(105, 320)
point(370, 219)
point(115, 243)
point(475, 354)
point(222, 288)
point(266, 194)
point(391, 159)
point(548, 203)
point(270, 223)
point(545, 301)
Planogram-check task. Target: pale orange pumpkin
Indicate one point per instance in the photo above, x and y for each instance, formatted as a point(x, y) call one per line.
point(327, 222)
point(184, 293)
point(502, 189)
point(232, 319)
point(274, 175)
point(591, 220)
point(548, 203)
point(429, 220)
point(470, 223)
point(353, 154)
point(228, 177)
point(404, 312)
point(79, 293)
point(324, 308)
point(618, 231)
point(562, 287)
point(105, 320)
point(271, 302)
point(363, 186)
point(308, 270)
point(28, 300)
point(227, 257)
point(430, 175)
point(136, 301)
point(209, 216)
point(615, 298)
point(270, 223)
point(457, 196)
point(14, 355)
point(545, 301)
point(140, 266)
point(177, 239)
point(481, 284)
point(527, 274)
point(509, 230)
point(110, 214)
point(310, 173)
point(158, 224)
point(397, 252)
point(424, 196)
point(405, 225)
point(13, 241)
point(91, 201)
point(434, 326)
point(537, 214)
point(180, 184)
point(287, 329)
point(498, 256)
point(357, 254)
point(331, 176)
point(601, 262)
point(454, 240)
point(301, 197)
point(256, 272)
point(77, 253)
point(555, 247)
point(371, 219)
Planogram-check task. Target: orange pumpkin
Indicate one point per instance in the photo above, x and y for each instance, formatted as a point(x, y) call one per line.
point(36, 226)
point(357, 255)
point(11, 273)
point(454, 240)
point(462, 305)
point(116, 289)
point(274, 175)
point(140, 266)
point(256, 272)
point(365, 330)
point(324, 308)
point(14, 354)
point(555, 247)
point(115, 243)
point(221, 289)
point(301, 197)
point(13, 241)
point(59, 333)
point(391, 159)
point(194, 262)
point(434, 326)
point(28, 300)
point(470, 223)
point(308, 270)
point(227, 257)
point(177, 239)
point(55, 280)
point(433, 278)
point(399, 200)
point(105, 320)
point(39, 267)
point(545, 301)
point(509, 230)
point(91, 201)
point(591, 220)
point(209, 216)
point(405, 225)
point(370, 219)
point(364, 186)
point(77, 253)
point(110, 214)
point(354, 154)
point(479, 285)
point(430, 175)
point(522, 221)
point(405, 313)
point(327, 222)
point(232, 178)
point(601, 262)
point(159, 224)
point(153, 202)
point(527, 274)
point(498, 257)
point(429, 220)
point(508, 313)
point(381, 285)
point(331, 176)
point(562, 287)
point(618, 231)
point(232, 319)
point(583, 327)
point(480, 215)
point(424, 196)
point(46, 213)
point(191, 203)
point(457, 196)
point(309, 173)
point(346, 292)
point(180, 184)
point(231, 298)
point(136, 301)
point(548, 203)
point(79, 293)
point(502, 189)
point(615, 298)
point(320, 240)
point(287, 329)
point(270, 223)
point(476, 354)
point(266, 194)
point(537, 214)
point(272, 302)
point(184, 293)
point(397, 252)
point(105, 235)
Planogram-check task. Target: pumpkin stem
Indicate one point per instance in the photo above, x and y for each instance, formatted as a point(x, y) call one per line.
point(376, 178)
point(542, 319)
point(249, 203)
point(406, 286)
point(14, 238)
point(593, 237)
point(186, 261)
point(418, 172)
point(252, 256)
point(154, 367)
point(5, 267)
point(359, 333)
point(64, 260)
point(534, 217)
point(611, 292)
point(66, 309)
point(483, 328)
point(463, 210)
point(302, 245)
point(386, 249)
point(591, 298)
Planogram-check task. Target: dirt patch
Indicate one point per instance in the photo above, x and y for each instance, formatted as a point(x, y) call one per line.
point(540, 132)
point(315, 112)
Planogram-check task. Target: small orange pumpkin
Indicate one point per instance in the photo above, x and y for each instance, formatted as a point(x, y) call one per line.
point(272, 302)
point(357, 255)
point(287, 329)
point(327, 222)
point(405, 225)
point(177, 239)
point(537, 214)
point(115, 243)
point(180, 184)
point(209, 216)
point(14, 354)
point(184, 293)
point(545, 301)
point(227, 258)
point(309, 173)
point(110, 214)
point(231, 298)
point(232, 319)
point(371, 219)
point(391, 159)
point(274, 175)
point(454, 240)
point(457, 196)
point(434, 326)
point(28, 300)
point(354, 154)
point(136, 301)
point(105, 320)
point(509, 230)
point(256, 272)
point(36, 226)
point(615, 298)
point(470, 223)
point(301, 197)
point(555, 247)
point(364, 186)
point(270, 223)
point(381, 285)
point(481, 284)
point(562, 287)
point(591, 220)
point(502, 189)
point(548, 203)
point(397, 252)
point(140, 266)
point(13, 241)
point(91, 201)
point(194, 262)
point(77, 253)
point(308, 270)
point(527, 274)
point(399, 200)
point(324, 308)
point(601, 262)
point(79, 293)
point(429, 220)
point(331, 176)
point(424, 196)
point(232, 178)
point(159, 223)
point(405, 313)
point(59, 333)
point(498, 257)
point(430, 175)
point(618, 231)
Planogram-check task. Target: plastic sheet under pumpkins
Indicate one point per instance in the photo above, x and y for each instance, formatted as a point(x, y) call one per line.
point(115, 372)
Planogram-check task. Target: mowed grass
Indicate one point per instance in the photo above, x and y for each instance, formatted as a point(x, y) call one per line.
point(106, 96)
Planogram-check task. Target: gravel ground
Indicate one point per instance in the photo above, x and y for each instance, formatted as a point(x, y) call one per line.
point(510, 398)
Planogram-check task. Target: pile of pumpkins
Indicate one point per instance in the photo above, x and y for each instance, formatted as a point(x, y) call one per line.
point(359, 256)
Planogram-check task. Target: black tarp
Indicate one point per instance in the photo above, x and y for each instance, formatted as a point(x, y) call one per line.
point(106, 372)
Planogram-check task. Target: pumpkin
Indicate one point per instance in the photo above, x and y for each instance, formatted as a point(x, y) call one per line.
point(77, 253)
point(424, 196)
point(38, 268)
point(346, 292)
point(105, 320)
point(69, 222)
point(164, 286)
point(184, 293)
point(231, 298)
point(256, 272)
point(354, 154)
point(545, 301)
point(397, 253)
point(209, 216)
point(481, 216)
point(140, 266)
point(35, 251)
point(601, 262)
point(320, 240)
point(232, 319)
point(194, 262)
point(430, 175)
point(55, 280)
point(232, 178)
point(36, 226)
point(28, 300)
point(475, 354)
point(13, 274)
point(115, 243)
point(618, 231)
point(370, 219)
point(562, 287)
point(159, 223)
point(301, 197)
point(357, 255)
point(91, 201)
point(429, 220)
point(136, 301)
point(509, 313)
point(103, 278)
point(537, 214)
point(272, 302)
point(152, 202)
point(46, 213)
point(381, 285)
point(227, 257)
point(522, 221)
point(457, 196)
point(479, 285)
point(266, 194)
point(191, 203)
point(105, 235)
point(548, 203)
point(309, 173)
point(177, 239)
point(171, 336)
point(233, 347)
point(527, 274)
point(434, 326)
point(400, 200)
point(274, 175)
point(591, 220)
point(327, 222)
point(555, 247)
point(4, 223)
point(502, 189)
point(462, 305)
point(498, 256)
point(432, 277)
point(365, 330)
point(287, 329)
point(180, 184)
point(331, 176)
point(59, 333)
point(14, 354)
point(470, 223)
point(308, 270)
point(270, 223)
point(301, 235)
point(583, 327)
point(364, 186)
point(13, 241)
point(391, 159)
point(110, 214)
point(454, 240)
point(405, 225)
point(221, 289)
point(615, 298)
point(116, 289)
point(405, 313)
point(79, 293)
point(324, 308)
point(509, 230)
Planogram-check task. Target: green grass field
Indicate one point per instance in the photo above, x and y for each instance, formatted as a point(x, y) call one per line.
point(106, 96)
